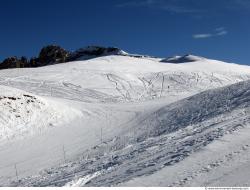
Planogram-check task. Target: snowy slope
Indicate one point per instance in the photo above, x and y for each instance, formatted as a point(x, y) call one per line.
point(135, 154)
point(119, 116)
point(23, 114)
point(121, 78)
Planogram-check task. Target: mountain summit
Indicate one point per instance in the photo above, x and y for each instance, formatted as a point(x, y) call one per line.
point(183, 59)
point(95, 51)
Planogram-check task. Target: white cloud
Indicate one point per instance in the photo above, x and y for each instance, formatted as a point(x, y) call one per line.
point(142, 3)
point(171, 6)
point(199, 36)
point(221, 31)
point(179, 9)
point(238, 5)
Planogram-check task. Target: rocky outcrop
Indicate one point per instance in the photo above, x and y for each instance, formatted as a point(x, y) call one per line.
point(94, 51)
point(14, 62)
point(52, 54)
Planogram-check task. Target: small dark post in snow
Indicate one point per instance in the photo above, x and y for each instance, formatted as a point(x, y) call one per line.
point(64, 154)
point(101, 135)
point(162, 84)
point(16, 172)
point(134, 135)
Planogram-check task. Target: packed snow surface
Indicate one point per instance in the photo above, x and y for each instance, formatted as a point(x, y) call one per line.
point(121, 120)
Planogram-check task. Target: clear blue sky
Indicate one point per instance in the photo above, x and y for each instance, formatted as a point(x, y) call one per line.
point(218, 29)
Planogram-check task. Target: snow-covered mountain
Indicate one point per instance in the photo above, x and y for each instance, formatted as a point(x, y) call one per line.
point(125, 120)
point(95, 51)
point(183, 59)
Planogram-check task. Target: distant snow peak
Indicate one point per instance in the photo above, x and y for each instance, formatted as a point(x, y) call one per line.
point(95, 51)
point(183, 59)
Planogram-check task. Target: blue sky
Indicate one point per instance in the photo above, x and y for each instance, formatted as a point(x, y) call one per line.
point(216, 29)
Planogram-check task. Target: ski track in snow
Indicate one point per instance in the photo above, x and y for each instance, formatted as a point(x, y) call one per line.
point(129, 119)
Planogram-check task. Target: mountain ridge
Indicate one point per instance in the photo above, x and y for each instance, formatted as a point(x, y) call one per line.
point(54, 54)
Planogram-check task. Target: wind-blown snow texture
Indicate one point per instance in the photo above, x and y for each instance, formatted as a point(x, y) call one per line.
point(124, 120)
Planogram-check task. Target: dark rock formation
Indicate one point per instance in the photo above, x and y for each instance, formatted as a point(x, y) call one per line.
point(52, 54)
point(94, 51)
point(14, 62)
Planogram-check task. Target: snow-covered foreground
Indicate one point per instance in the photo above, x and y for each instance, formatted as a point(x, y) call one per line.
point(120, 120)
